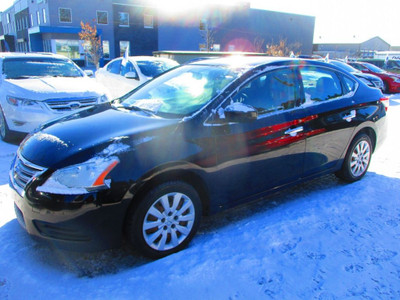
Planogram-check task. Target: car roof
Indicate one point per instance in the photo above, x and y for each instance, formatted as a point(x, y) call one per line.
point(251, 62)
point(242, 61)
point(150, 58)
point(31, 55)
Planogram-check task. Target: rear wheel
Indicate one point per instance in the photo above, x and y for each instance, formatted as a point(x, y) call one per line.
point(165, 220)
point(357, 159)
point(5, 132)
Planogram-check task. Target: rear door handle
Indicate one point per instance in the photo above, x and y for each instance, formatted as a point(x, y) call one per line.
point(350, 116)
point(294, 131)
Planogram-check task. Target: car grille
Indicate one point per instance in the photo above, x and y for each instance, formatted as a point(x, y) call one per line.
point(22, 172)
point(70, 104)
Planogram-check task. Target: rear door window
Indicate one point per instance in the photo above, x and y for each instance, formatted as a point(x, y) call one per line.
point(321, 84)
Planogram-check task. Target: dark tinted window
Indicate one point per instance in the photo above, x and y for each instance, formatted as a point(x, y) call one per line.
point(155, 67)
point(320, 84)
point(114, 67)
point(273, 91)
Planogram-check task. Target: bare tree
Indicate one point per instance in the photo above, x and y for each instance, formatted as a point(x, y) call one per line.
point(208, 35)
point(92, 41)
point(258, 44)
point(282, 49)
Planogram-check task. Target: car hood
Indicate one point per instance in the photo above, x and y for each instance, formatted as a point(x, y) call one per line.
point(80, 136)
point(49, 87)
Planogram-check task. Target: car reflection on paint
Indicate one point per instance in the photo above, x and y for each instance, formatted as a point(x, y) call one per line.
point(198, 139)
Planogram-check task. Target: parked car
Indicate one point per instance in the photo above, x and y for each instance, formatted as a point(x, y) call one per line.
point(391, 65)
point(35, 88)
point(195, 140)
point(121, 75)
point(391, 81)
point(368, 79)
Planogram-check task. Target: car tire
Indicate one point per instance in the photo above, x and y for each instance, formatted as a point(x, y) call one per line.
point(357, 160)
point(5, 133)
point(165, 220)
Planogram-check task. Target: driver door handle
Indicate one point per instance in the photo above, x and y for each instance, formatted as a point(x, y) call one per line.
point(350, 116)
point(294, 131)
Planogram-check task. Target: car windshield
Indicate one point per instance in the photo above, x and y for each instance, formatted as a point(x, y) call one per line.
point(373, 68)
point(155, 67)
point(345, 66)
point(180, 92)
point(20, 68)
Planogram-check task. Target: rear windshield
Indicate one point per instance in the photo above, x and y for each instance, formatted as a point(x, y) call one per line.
point(20, 68)
point(155, 67)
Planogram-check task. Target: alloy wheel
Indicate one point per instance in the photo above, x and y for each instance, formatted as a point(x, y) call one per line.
point(360, 158)
point(169, 221)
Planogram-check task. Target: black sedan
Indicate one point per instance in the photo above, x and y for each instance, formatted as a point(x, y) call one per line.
point(198, 139)
point(368, 79)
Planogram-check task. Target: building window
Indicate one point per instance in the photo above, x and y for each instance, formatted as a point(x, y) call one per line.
point(148, 21)
point(102, 17)
point(65, 15)
point(31, 20)
point(123, 45)
point(8, 18)
point(123, 19)
point(38, 17)
point(44, 15)
point(106, 49)
point(68, 48)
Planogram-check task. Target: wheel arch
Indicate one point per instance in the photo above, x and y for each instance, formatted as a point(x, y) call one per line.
point(371, 133)
point(185, 175)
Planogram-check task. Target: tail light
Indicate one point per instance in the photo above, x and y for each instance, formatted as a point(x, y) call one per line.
point(385, 102)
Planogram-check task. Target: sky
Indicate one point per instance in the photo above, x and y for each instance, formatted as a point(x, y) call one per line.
point(337, 21)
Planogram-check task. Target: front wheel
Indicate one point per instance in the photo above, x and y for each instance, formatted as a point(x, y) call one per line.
point(357, 159)
point(165, 220)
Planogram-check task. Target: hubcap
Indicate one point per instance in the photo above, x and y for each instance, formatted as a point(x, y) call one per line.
point(360, 158)
point(168, 221)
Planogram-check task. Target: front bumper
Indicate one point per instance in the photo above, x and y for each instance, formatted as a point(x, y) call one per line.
point(26, 119)
point(88, 222)
point(88, 228)
point(394, 87)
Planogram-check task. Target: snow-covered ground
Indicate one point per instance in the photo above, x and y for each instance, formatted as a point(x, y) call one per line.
point(320, 240)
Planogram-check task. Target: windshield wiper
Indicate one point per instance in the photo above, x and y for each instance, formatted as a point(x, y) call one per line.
point(23, 77)
point(135, 108)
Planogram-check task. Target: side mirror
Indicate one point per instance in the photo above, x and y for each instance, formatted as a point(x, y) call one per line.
point(239, 112)
point(132, 75)
point(89, 73)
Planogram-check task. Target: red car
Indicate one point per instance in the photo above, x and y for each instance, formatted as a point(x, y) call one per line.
point(391, 81)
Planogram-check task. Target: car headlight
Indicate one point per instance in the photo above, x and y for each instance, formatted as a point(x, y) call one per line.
point(81, 178)
point(366, 81)
point(102, 99)
point(395, 79)
point(15, 101)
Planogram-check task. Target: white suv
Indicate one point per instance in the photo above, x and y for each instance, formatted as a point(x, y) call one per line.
point(37, 87)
